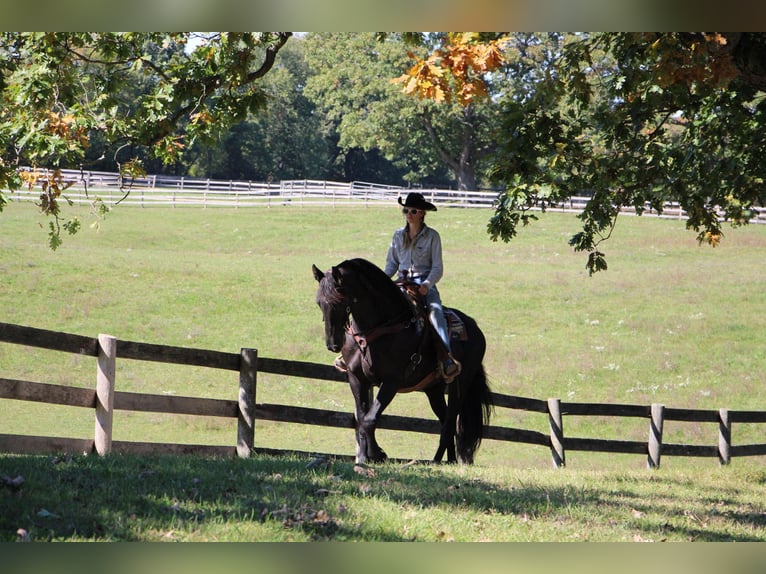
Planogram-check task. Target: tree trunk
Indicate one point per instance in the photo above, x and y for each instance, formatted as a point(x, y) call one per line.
point(460, 165)
point(466, 177)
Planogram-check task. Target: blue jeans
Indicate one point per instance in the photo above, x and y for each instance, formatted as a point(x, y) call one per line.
point(436, 315)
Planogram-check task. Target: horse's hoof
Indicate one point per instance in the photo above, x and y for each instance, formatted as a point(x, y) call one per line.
point(379, 457)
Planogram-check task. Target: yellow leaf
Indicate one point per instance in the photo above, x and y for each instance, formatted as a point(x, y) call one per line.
point(401, 79)
point(437, 71)
point(411, 86)
point(713, 239)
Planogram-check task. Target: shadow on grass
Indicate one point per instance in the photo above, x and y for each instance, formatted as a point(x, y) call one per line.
point(294, 498)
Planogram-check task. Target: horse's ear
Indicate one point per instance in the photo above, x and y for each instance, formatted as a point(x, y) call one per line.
point(318, 275)
point(337, 276)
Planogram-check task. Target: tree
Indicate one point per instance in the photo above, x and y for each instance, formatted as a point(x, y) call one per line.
point(352, 86)
point(283, 140)
point(61, 91)
point(636, 120)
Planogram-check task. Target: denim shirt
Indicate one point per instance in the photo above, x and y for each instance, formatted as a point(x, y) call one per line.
point(422, 259)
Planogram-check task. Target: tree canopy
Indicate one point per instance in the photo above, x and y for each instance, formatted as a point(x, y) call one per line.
point(630, 120)
point(351, 84)
point(158, 92)
point(634, 120)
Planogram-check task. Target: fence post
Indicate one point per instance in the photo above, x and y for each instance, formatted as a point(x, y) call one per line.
point(724, 436)
point(557, 432)
point(107, 359)
point(655, 435)
point(248, 372)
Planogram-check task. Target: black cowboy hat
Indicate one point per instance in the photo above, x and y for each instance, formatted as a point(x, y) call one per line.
point(417, 201)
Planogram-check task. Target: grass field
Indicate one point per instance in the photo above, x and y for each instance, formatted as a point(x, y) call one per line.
point(126, 498)
point(670, 322)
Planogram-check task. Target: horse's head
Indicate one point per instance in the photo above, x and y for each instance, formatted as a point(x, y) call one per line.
point(356, 287)
point(335, 304)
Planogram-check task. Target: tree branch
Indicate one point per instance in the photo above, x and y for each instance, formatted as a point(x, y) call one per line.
point(440, 149)
point(271, 56)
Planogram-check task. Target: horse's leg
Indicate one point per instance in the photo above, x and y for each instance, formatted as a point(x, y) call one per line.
point(361, 391)
point(449, 426)
point(437, 401)
point(369, 422)
point(439, 407)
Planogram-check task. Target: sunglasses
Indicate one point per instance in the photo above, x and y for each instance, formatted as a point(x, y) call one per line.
point(405, 211)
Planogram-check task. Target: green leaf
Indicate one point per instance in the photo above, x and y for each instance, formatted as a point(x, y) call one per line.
point(596, 262)
point(54, 236)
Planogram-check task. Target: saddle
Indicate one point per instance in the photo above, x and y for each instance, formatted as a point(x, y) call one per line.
point(455, 326)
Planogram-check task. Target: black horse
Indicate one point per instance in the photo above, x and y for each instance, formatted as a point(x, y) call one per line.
point(376, 327)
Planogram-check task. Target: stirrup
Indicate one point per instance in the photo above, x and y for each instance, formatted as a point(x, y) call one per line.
point(340, 364)
point(450, 368)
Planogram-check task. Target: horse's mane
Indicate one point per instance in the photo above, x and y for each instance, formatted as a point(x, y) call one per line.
point(376, 280)
point(368, 269)
point(328, 292)
point(370, 277)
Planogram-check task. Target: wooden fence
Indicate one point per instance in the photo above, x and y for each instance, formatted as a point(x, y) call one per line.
point(175, 191)
point(104, 399)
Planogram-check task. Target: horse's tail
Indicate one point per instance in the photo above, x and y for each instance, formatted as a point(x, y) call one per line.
point(475, 412)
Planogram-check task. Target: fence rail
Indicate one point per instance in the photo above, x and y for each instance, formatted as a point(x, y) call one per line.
point(175, 191)
point(82, 187)
point(104, 399)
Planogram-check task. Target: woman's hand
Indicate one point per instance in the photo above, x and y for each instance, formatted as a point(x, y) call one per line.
point(423, 289)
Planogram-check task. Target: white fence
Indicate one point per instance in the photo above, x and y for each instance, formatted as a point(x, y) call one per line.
point(162, 190)
point(173, 191)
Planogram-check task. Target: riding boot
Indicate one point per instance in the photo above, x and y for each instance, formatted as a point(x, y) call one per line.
point(449, 367)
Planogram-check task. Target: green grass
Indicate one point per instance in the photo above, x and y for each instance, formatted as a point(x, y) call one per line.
point(125, 498)
point(670, 322)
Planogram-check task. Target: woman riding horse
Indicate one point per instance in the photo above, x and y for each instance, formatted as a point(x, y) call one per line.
point(371, 322)
point(416, 254)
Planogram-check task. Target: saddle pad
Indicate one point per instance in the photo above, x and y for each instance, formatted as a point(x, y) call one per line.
point(455, 326)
